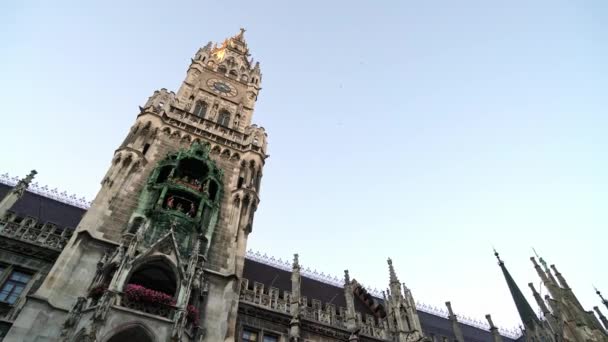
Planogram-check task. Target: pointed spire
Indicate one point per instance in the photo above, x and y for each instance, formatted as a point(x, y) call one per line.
point(391, 270)
point(24, 183)
point(552, 287)
point(539, 301)
point(604, 301)
point(548, 272)
point(15, 193)
point(562, 280)
point(526, 313)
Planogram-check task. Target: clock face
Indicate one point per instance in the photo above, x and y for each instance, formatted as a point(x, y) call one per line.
point(220, 87)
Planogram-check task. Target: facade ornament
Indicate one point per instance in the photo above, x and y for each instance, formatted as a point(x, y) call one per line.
point(73, 317)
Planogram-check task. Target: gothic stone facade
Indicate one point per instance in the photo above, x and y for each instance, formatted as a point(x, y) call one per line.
point(160, 254)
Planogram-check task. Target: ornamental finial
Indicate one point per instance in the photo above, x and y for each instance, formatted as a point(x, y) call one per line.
point(500, 262)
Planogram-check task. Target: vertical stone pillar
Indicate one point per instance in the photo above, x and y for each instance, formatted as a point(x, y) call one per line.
point(351, 323)
point(455, 325)
point(493, 330)
point(294, 324)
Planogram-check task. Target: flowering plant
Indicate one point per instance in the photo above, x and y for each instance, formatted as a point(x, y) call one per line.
point(192, 314)
point(97, 291)
point(138, 293)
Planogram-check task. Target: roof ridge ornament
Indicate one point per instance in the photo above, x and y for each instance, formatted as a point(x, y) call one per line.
point(54, 194)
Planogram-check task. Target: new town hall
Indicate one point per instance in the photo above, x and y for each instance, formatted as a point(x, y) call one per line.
point(160, 254)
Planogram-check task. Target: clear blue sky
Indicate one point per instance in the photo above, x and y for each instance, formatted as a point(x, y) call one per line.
point(427, 131)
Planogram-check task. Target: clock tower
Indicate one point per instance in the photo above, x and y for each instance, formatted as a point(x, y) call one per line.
point(159, 254)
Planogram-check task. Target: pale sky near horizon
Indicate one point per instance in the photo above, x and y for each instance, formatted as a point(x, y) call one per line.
point(426, 131)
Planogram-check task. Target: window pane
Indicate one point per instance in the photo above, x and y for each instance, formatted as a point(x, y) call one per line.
point(12, 299)
point(14, 286)
point(271, 338)
point(250, 336)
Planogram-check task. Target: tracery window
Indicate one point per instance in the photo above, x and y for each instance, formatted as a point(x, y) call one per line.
point(200, 109)
point(224, 118)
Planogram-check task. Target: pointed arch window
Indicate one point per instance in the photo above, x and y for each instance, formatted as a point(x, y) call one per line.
point(200, 109)
point(224, 118)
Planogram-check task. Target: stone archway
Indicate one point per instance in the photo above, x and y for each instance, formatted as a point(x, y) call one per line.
point(132, 333)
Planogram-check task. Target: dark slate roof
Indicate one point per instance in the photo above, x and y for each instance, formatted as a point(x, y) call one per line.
point(311, 288)
point(268, 275)
point(45, 209)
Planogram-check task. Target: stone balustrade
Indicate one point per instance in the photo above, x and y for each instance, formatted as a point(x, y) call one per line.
point(45, 236)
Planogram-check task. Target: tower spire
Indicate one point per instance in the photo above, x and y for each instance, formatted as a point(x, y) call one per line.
point(524, 309)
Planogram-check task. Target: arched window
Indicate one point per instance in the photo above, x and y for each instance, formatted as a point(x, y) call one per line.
point(200, 109)
point(224, 118)
point(234, 74)
point(222, 69)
